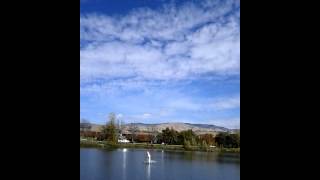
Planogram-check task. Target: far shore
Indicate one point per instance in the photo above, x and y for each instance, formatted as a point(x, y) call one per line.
point(106, 145)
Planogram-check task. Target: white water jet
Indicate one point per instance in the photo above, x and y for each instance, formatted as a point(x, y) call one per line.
point(149, 157)
point(149, 161)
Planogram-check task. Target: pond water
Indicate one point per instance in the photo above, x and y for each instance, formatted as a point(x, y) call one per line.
point(128, 164)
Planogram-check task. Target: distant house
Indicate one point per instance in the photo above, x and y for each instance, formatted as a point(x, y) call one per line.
point(122, 139)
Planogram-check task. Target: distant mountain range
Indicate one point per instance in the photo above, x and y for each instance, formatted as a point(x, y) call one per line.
point(147, 128)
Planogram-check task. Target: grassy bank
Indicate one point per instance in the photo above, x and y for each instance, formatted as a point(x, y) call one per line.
point(90, 143)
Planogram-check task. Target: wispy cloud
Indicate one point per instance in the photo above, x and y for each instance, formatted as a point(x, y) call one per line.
point(169, 44)
point(151, 57)
point(210, 104)
point(226, 103)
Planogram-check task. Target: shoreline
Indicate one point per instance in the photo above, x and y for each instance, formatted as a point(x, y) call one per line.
point(106, 145)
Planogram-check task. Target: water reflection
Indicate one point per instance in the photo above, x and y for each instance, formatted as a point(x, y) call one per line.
point(124, 164)
point(162, 156)
point(148, 171)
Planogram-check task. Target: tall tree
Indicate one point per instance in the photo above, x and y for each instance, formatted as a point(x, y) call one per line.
point(228, 140)
point(221, 139)
point(187, 136)
point(133, 129)
point(154, 134)
point(169, 136)
point(109, 131)
point(208, 138)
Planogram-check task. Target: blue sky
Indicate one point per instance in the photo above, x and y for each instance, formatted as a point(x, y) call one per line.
point(156, 61)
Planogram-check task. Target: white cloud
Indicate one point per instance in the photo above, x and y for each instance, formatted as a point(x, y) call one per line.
point(211, 104)
point(184, 104)
point(136, 118)
point(148, 54)
point(226, 103)
point(146, 115)
point(175, 43)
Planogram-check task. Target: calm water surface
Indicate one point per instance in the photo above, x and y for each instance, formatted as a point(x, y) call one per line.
point(120, 164)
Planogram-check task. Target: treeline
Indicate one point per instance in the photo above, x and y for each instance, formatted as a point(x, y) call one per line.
point(141, 138)
point(228, 140)
point(90, 134)
point(189, 138)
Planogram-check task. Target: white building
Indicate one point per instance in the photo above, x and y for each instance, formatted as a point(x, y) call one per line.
point(122, 139)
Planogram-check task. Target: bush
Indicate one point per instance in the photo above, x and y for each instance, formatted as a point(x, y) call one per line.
point(204, 146)
point(188, 135)
point(187, 145)
point(208, 138)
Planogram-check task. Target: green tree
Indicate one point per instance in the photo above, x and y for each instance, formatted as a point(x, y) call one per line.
point(235, 140)
point(221, 139)
point(187, 136)
point(208, 138)
point(228, 140)
point(168, 136)
point(109, 131)
point(187, 145)
point(204, 145)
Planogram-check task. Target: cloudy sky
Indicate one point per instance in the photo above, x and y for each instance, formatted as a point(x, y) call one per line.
point(155, 61)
